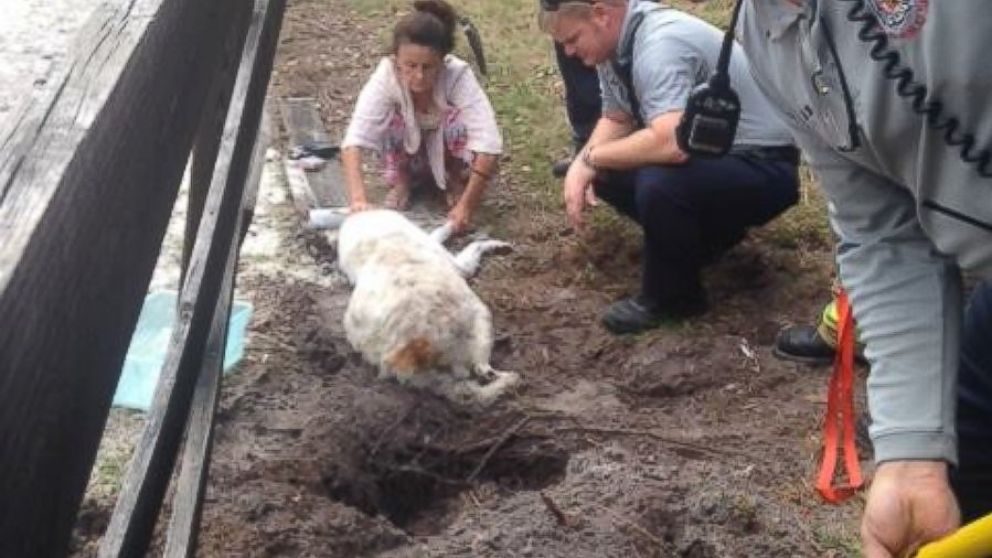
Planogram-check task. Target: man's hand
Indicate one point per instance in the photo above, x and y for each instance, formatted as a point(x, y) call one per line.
point(576, 190)
point(910, 504)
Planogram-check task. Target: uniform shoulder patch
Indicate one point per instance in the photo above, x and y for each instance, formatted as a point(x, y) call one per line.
point(901, 19)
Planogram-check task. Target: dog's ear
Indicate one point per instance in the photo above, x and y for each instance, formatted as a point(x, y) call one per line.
point(416, 355)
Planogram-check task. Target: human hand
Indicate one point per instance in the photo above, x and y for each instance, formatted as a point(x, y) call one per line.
point(591, 199)
point(909, 505)
point(577, 192)
point(359, 205)
point(460, 218)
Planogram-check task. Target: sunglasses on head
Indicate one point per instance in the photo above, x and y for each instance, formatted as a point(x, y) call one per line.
point(553, 5)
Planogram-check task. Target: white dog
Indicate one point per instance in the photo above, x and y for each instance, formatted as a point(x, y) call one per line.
point(412, 313)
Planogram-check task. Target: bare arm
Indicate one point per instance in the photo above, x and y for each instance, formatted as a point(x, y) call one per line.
point(484, 167)
point(351, 160)
point(655, 144)
point(613, 126)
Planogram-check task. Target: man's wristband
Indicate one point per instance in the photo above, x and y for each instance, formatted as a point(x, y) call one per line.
point(586, 158)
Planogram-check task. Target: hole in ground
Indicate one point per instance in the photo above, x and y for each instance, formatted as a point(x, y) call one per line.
point(415, 486)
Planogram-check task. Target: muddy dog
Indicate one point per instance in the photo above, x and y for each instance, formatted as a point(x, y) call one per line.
point(412, 313)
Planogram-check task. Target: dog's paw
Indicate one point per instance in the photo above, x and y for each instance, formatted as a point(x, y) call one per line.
point(497, 247)
point(508, 380)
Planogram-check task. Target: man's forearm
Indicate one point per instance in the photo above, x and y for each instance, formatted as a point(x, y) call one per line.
point(636, 150)
point(654, 145)
point(610, 127)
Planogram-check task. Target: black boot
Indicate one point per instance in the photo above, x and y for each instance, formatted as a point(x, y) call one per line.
point(636, 314)
point(804, 344)
point(560, 167)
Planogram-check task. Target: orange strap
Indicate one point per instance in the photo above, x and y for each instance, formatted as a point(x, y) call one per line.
point(838, 428)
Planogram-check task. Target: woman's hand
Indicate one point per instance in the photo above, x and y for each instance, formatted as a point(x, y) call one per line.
point(359, 205)
point(460, 217)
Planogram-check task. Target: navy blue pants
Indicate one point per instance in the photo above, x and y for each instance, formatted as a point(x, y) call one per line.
point(973, 478)
point(582, 97)
point(691, 213)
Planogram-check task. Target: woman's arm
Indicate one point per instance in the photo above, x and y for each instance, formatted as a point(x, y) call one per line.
point(351, 160)
point(368, 125)
point(483, 169)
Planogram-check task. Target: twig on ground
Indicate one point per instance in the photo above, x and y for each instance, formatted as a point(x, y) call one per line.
point(427, 446)
point(389, 429)
point(654, 436)
point(428, 474)
point(487, 443)
point(492, 449)
point(475, 499)
point(560, 516)
point(632, 524)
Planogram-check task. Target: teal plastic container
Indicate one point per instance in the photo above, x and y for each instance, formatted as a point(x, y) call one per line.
point(150, 341)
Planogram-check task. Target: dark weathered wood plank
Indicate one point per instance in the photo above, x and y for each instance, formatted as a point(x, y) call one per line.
point(207, 144)
point(88, 177)
point(133, 521)
point(184, 524)
point(256, 169)
point(303, 123)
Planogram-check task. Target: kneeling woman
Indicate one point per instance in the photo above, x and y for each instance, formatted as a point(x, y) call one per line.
point(427, 116)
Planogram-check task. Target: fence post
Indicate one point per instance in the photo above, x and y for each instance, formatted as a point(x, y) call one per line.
point(133, 521)
point(88, 178)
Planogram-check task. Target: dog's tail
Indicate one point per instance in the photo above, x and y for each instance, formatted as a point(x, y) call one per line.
point(417, 355)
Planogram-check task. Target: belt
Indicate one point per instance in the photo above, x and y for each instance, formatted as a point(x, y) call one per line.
point(778, 153)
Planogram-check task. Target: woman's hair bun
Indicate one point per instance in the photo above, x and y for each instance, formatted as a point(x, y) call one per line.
point(431, 24)
point(439, 9)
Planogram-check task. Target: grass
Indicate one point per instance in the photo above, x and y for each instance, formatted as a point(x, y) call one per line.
point(838, 544)
point(116, 447)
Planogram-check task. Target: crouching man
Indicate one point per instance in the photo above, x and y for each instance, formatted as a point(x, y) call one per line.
point(650, 58)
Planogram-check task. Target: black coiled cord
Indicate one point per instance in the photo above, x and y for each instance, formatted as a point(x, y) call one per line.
point(908, 88)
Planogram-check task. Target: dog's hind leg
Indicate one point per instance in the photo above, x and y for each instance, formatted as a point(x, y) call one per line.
point(467, 391)
point(469, 259)
point(499, 382)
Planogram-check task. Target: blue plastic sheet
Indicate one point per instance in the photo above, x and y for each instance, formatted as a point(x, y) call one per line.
point(150, 341)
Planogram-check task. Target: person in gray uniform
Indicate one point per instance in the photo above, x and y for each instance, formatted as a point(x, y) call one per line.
point(888, 99)
point(650, 57)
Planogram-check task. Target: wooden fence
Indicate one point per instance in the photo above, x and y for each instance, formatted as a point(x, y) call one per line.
point(88, 178)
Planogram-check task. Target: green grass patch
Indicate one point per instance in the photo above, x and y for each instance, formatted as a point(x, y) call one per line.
point(838, 543)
